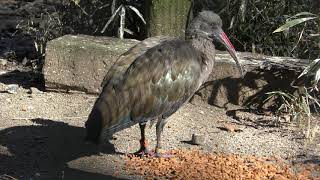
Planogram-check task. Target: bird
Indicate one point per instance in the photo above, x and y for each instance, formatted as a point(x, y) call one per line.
point(154, 78)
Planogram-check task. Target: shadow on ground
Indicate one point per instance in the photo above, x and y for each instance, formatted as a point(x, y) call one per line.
point(23, 78)
point(307, 159)
point(42, 151)
point(312, 160)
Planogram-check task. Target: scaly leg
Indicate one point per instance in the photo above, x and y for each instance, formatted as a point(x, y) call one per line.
point(159, 128)
point(143, 142)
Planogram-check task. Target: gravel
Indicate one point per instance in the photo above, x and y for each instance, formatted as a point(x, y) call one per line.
point(41, 136)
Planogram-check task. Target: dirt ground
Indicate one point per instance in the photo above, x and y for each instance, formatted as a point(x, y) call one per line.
point(42, 134)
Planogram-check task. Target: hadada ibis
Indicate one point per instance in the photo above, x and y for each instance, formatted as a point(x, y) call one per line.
point(153, 79)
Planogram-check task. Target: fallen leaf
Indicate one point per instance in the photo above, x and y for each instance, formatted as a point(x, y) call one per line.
point(230, 127)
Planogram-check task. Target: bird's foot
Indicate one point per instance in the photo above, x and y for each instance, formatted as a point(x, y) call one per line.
point(163, 155)
point(159, 153)
point(156, 153)
point(142, 152)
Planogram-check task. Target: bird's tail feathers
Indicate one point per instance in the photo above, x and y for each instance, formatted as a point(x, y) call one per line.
point(107, 132)
point(94, 126)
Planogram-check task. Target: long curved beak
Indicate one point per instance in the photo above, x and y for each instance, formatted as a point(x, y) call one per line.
point(220, 36)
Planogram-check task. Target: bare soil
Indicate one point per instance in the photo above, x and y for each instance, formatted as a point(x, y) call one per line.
point(42, 135)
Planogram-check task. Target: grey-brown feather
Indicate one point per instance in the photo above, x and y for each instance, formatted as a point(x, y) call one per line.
point(152, 81)
point(152, 85)
point(127, 58)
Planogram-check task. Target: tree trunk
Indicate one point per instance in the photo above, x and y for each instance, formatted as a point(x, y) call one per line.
point(166, 17)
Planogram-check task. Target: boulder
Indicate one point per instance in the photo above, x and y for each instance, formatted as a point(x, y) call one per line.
point(80, 62)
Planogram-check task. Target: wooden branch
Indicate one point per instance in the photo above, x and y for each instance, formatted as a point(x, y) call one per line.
point(252, 61)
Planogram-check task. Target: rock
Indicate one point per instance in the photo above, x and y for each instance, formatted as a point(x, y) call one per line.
point(25, 61)
point(3, 62)
point(34, 90)
point(230, 127)
point(198, 139)
point(81, 62)
point(27, 108)
point(12, 88)
point(2, 87)
point(287, 118)
point(3, 72)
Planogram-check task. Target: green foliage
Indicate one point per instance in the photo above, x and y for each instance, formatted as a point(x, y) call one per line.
point(121, 12)
point(313, 70)
point(46, 27)
point(295, 20)
point(295, 106)
point(303, 100)
point(250, 24)
point(298, 106)
point(92, 16)
point(41, 28)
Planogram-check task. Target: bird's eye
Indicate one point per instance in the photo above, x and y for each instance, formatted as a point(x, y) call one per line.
point(204, 27)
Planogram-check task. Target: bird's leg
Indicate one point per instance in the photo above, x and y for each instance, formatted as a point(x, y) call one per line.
point(143, 142)
point(159, 128)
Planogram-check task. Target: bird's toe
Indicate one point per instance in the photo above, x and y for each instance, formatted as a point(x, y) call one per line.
point(142, 152)
point(159, 153)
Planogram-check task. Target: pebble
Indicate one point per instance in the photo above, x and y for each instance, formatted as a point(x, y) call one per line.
point(287, 118)
point(28, 108)
point(2, 87)
point(198, 139)
point(3, 72)
point(25, 61)
point(34, 90)
point(12, 88)
point(3, 62)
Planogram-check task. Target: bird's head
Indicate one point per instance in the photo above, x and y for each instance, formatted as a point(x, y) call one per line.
point(208, 25)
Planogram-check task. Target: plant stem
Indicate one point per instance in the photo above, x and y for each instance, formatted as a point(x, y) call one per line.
point(122, 21)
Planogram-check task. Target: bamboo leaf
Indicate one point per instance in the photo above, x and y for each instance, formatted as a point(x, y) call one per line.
point(314, 99)
point(138, 13)
point(77, 3)
point(292, 23)
point(128, 31)
point(111, 19)
point(317, 77)
point(313, 67)
point(303, 14)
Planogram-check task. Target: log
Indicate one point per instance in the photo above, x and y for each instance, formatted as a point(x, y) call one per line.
point(252, 61)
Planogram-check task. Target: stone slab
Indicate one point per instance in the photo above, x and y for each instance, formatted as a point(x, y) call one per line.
point(80, 62)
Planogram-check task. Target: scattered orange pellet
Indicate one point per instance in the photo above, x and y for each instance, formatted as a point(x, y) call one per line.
point(191, 164)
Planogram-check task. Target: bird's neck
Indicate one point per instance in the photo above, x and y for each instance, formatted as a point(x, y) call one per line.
point(207, 50)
